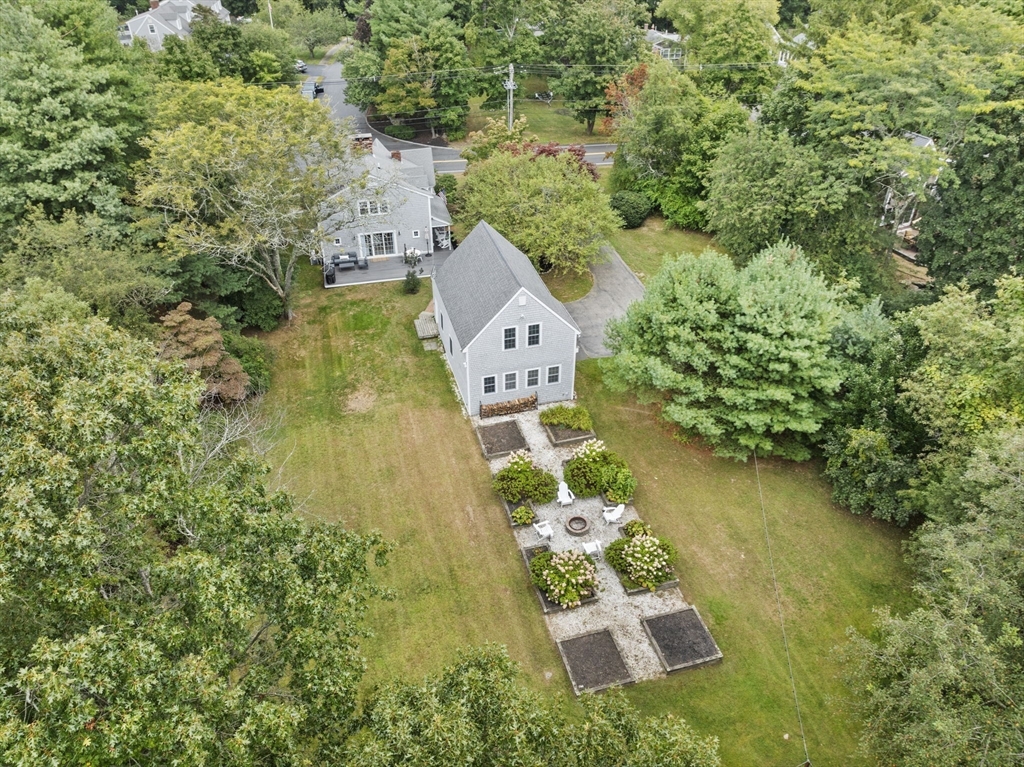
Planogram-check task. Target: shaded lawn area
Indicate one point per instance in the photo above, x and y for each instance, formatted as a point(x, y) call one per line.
point(568, 286)
point(832, 567)
point(372, 437)
point(647, 247)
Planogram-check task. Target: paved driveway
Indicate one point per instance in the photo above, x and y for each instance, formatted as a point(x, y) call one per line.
point(615, 288)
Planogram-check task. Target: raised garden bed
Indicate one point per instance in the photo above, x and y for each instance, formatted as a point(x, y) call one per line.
point(633, 589)
point(529, 552)
point(562, 435)
point(681, 640)
point(500, 439)
point(594, 662)
point(608, 502)
point(510, 507)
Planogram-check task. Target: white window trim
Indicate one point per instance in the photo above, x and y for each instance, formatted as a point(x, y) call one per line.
point(483, 385)
point(152, 29)
point(516, 344)
point(527, 379)
point(382, 207)
point(547, 375)
point(394, 243)
point(540, 335)
point(415, 233)
point(504, 381)
point(337, 241)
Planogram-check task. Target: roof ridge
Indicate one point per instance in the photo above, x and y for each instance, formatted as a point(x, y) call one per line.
point(491, 231)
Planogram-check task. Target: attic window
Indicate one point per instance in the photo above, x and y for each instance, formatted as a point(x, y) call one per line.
point(152, 29)
point(373, 207)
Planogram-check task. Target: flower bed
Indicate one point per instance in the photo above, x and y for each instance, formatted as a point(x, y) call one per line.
point(641, 560)
point(567, 578)
point(595, 470)
point(521, 480)
point(519, 513)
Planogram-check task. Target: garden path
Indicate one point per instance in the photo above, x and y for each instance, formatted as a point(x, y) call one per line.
point(614, 609)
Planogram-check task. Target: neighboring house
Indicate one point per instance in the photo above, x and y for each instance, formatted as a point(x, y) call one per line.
point(668, 45)
point(505, 336)
point(900, 211)
point(398, 210)
point(169, 17)
point(786, 47)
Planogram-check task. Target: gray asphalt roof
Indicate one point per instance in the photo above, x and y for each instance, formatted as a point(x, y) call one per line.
point(482, 275)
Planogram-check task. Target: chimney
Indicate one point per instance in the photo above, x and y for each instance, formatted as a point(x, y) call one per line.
point(154, 4)
point(396, 155)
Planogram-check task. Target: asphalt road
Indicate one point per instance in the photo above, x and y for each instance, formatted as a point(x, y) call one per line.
point(446, 160)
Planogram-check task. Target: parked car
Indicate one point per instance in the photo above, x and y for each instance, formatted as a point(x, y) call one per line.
point(300, 66)
point(318, 87)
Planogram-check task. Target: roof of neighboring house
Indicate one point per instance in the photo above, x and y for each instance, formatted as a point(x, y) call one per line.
point(654, 37)
point(483, 274)
point(170, 17)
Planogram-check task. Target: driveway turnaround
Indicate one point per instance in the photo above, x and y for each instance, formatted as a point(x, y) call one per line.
point(615, 288)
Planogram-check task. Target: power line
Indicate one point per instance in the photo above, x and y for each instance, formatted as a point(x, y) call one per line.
point(778, 603)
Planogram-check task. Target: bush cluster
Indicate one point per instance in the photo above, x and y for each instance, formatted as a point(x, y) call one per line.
point(632, 207)
point(566, 578)
point(403, 132)
point(523, 515)
point(521, 480)
point(577, 417)
point(595, 469)
point(643, 559)
point(255, 358)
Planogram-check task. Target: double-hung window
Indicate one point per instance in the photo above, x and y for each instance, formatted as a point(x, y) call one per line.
point(373, 207)
point(489, 385)
point(511, 381)
point(532, 378)
point(533, 335)
point(509, 338)
point(554, 374)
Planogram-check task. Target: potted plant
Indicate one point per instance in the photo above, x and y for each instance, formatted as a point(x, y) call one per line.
point(566, 578)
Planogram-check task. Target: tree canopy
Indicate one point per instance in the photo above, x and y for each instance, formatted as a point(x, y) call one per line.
point(740, 358)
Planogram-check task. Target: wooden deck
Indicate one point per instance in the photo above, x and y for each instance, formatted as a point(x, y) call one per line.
point(388, 269)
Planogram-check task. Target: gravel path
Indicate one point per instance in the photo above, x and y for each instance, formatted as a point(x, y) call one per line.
point(614, 610)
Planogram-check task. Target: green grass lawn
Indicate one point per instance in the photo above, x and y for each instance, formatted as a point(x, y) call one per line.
point(645, 248)
point(568, 286)
point(372, 437)
point(833, 568)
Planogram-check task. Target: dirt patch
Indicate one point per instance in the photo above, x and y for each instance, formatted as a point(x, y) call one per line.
point(594, 662)
point(682, 640)
point(360, 401)
point(563, 435)
point(498, 439)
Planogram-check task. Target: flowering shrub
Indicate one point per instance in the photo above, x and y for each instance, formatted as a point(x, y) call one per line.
point(523, 515)
point(566, 578)
point(593, 468)
point(522, 480)
point(645, 560)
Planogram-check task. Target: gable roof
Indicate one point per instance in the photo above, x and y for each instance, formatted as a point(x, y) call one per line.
point(481, 276)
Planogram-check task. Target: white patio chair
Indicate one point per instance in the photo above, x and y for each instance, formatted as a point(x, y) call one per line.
point(613, 513)
point(593, 548)
point(565, 495)
point(543, 529)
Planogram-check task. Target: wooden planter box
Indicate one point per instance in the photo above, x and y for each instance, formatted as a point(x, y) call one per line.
point(560, 435)
point(609, 502)
point(529, 552)
point(632, 591)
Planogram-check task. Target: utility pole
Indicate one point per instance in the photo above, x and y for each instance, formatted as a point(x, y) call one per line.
point(270, 12)
point(510, 86)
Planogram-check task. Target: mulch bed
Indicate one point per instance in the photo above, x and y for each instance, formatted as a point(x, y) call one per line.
point(594, 662)
point(681, 640)
point(498, 439)
point(561, 435)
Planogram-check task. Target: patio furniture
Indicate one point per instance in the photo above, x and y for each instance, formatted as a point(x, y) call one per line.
point(543, 529)
point(613, 513)
point(565, 495)
point(593, 548)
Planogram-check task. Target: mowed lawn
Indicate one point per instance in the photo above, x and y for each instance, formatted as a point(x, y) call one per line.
point(832, 568)
point(647, 247)
point(372, 437)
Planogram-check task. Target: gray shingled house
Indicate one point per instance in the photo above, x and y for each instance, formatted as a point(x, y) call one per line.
point(397, 210)
point(164, 18)
point(505, 336)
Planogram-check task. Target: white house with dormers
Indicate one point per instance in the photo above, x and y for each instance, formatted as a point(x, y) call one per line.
point(505, 336)
point(169, 17)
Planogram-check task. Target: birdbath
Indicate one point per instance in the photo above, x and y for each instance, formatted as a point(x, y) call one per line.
point(577, 525)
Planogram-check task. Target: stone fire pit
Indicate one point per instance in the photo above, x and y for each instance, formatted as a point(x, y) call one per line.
point(577, 525)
